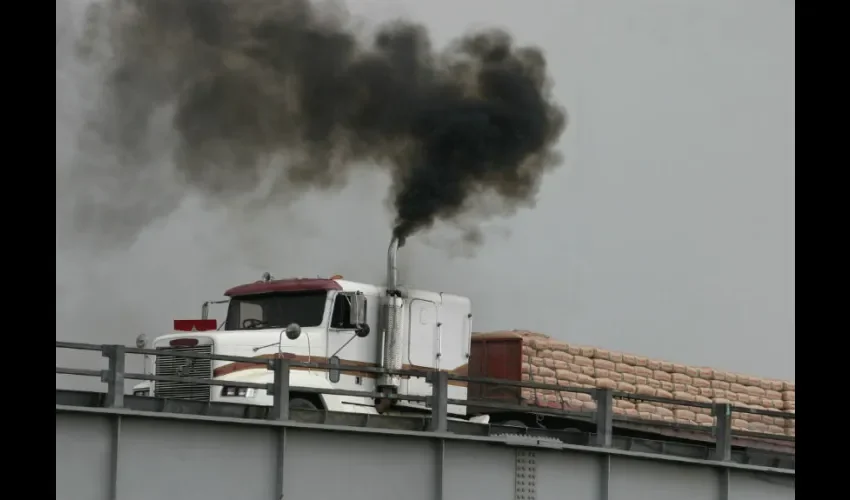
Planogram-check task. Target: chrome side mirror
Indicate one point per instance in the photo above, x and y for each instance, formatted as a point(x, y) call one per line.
point(358, 309)
point(357, 316)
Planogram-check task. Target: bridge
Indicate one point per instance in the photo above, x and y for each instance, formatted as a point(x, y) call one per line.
point(111, 446)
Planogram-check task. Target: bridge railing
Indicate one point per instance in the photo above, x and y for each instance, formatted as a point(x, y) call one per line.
point(602, 417)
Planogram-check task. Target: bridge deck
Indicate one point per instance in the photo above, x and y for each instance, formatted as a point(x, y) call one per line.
point(174, 452)
point(624, 438)
point(119, 447)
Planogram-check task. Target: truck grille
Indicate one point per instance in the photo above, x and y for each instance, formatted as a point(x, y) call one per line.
point(172, 366)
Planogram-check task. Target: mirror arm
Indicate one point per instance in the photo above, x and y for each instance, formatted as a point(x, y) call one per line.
point(343, 345)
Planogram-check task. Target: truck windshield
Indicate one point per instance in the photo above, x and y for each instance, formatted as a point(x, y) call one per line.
point(276, 310)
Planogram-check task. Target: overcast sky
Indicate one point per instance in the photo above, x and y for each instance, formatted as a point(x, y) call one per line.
point(668, 231)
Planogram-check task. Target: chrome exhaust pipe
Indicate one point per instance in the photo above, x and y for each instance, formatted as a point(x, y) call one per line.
point(391, 343)
point(392, 266)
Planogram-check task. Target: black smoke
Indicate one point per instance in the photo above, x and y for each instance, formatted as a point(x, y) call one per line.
point(259, 85)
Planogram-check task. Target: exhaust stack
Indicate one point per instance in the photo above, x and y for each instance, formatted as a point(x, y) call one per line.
point(392, 266)
point(392, 332)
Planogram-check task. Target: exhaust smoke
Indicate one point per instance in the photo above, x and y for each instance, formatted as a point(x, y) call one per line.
point(287, 90)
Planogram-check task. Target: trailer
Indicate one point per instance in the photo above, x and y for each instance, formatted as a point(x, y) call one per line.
point(538, 382)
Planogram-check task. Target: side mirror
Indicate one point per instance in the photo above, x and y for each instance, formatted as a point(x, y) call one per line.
point(362, 330)
point(333, 371)
point(293, 331)
point(358, 309)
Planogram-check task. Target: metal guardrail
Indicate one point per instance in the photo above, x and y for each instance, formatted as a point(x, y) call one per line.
point(280, 390)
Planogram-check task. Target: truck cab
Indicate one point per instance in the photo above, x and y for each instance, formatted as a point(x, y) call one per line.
point(320, 320)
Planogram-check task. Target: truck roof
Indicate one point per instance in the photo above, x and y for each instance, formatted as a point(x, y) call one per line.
point(335, 283)
point(284, 285)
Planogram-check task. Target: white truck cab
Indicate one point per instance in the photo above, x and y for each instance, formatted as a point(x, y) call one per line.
point(321, 320)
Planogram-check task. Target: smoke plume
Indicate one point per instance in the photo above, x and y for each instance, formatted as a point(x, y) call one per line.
point(285, 96)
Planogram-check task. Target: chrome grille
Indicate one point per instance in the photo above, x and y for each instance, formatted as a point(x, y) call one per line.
point(173, 366)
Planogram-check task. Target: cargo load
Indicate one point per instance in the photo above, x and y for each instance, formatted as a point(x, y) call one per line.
point(534, 357)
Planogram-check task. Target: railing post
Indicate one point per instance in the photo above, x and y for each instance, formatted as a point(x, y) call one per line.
point(113, 376)
point(280, 389)
point(439, 401)
point(722, 431)
point(604, 417)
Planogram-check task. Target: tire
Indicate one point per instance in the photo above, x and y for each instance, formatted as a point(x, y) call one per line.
point(301, 404)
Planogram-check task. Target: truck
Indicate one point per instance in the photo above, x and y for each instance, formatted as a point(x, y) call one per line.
point(327, 321)
point(334, 321)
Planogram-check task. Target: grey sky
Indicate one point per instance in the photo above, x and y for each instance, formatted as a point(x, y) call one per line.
point(669, 231)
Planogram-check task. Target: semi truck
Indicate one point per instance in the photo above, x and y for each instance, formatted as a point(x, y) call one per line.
point(323, 320)
point(334, 321)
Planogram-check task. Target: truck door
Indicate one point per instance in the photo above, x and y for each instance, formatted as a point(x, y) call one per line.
point(423, 334)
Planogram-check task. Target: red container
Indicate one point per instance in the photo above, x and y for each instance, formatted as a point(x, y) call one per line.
point(497, 357)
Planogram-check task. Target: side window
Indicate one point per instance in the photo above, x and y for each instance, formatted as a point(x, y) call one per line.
point(342, 312)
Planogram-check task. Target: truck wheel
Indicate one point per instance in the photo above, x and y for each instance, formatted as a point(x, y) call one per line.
point(301, 404)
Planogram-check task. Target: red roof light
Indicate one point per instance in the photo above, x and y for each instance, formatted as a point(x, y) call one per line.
point(194, 325)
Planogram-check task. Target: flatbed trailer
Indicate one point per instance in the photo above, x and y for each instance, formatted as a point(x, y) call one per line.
point(518, 368)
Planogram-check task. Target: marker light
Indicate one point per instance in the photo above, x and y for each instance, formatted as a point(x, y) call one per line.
point(239, 392)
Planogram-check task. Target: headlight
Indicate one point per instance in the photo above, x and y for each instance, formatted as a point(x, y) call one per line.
point(141, 392)
point(237, 392)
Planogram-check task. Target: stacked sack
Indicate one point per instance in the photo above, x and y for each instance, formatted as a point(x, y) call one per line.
point(554, 362)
